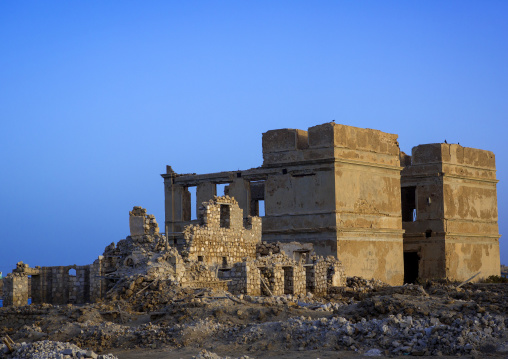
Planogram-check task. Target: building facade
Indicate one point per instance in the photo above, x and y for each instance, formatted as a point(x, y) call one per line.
point(347, 191)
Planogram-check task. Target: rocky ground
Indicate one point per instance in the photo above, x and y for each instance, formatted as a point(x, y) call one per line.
point(365, 318)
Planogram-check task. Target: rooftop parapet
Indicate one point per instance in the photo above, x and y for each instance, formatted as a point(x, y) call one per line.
point(320, 142)
point(364, 139)
point(453, 154)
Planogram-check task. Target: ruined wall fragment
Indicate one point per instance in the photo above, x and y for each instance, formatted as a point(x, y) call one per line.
point(222, 239)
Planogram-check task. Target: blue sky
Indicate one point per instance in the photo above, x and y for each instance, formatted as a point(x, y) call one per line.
point(96, 98)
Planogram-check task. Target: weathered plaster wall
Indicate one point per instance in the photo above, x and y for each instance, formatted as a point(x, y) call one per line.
point(455, 232)
point(367, 196)
point(299, 206)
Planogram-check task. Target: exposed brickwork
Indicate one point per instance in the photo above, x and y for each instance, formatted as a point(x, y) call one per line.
point(222, 237)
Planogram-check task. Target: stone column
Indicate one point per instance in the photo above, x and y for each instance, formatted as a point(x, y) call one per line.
point(240, 190)
point(299, 285)
point(176, 203)
point(204, 193)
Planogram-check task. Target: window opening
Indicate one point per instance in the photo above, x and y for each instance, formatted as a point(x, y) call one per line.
point(254, 207)
point(193, 201)
point(408, 203)
point(72, 272)
point(200, 258)
point(261, 208)
point(221, 188)
point(224, 216)
point(428, 233)
point(257, 194)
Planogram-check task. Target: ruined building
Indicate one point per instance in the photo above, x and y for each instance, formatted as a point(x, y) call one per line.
point(345, 193)
point(222, 251)
point(449, 212)
point(351, 193)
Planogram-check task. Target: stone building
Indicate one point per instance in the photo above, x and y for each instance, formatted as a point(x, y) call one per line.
point(449, 212)
point(340, 189)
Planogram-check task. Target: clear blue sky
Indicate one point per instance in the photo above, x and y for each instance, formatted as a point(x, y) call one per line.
point(97, 97)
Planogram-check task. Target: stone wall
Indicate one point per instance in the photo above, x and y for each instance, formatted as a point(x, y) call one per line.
point(97, 282)
point(222, 238)
point(242, 278)
point(42, 286)
point(15, 290)
point(55, 285)
point(294, 280)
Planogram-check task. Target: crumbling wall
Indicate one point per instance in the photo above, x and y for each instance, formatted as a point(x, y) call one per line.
point(280, 274)
point(201, 276)
point(294, 279)
point(242, 278)
point(272, 278)
point(15, 290)
point(55, 285)
point(41, 286)
point(97, 282)
point(222, 238)
point(141, 223)
point(323, 274)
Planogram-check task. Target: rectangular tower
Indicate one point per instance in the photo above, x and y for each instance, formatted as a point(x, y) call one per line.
point(449, 204)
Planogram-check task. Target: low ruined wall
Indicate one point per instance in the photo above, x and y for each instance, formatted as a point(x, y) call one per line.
point(242, 278)
point(54, 285)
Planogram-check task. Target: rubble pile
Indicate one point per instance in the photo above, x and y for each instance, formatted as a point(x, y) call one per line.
point(49, 350)
point(363, 285)
point(399, 335)
point(205, 354)
point(265, 248)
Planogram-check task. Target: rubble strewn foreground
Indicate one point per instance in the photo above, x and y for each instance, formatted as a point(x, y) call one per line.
point(363, 317)
point(161, 301)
